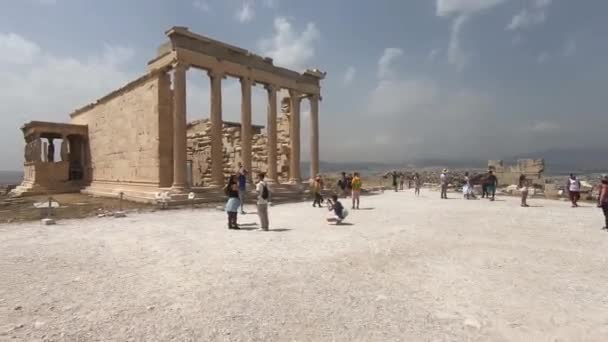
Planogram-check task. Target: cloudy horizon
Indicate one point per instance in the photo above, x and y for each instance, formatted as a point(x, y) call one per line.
point(419, 79)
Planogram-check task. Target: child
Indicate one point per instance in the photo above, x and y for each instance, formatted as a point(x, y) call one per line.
point(233, 204)
point(357, 184)
point(337, 211)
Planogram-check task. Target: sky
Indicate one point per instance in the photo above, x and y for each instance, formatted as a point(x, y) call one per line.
point(409, 79)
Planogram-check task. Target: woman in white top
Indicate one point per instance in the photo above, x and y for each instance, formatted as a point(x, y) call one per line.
point(574, 190)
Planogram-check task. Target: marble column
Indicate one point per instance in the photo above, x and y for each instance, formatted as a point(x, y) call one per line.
point(179, 126)
point(271, 131)
point(217, 150)
point(246, 130)
point(294, 134)
point(314, 135)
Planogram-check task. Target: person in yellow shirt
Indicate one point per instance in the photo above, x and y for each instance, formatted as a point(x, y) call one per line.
point(356, 185)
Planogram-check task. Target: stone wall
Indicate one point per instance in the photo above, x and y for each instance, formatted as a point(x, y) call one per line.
point(507, 175)
point(128, 129)
point(199, 149)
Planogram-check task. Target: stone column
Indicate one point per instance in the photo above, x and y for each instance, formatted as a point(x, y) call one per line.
point(45, 151)
point(217, 151)
point(271, 131)
point(246, 130)
point(51, 151)
point(179, 126)
point(314, 135)
point(64, 148)
point(36, 150)
point(294, 134)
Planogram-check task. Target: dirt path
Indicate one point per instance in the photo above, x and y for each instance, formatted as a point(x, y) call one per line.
point(414, 269)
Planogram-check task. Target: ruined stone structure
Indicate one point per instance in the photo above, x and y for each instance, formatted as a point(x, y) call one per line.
point(507, 175)
point(135, 139)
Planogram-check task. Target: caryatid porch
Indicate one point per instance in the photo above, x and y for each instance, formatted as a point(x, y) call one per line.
point(188, 50)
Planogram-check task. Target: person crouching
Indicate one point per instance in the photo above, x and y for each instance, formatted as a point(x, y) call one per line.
point(337, 211)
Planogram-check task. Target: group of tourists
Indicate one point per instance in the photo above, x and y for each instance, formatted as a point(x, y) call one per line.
point(236, 190)
point(350, 186)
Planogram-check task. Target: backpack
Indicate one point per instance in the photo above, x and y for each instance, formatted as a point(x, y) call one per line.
point(265, 192)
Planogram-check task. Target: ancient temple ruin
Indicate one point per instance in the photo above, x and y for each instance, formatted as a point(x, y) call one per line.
point(533, 169)
point(137, 139)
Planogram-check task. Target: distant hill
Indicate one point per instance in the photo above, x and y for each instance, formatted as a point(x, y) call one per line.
point(11, 177)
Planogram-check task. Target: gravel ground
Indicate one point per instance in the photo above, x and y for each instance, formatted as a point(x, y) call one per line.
point(407, 269)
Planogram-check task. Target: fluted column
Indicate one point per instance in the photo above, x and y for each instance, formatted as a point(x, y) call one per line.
point(246, 134)
point(314, 135)
point(294, 133)
point(179, 126)
point(217, 150)
point(272, 133)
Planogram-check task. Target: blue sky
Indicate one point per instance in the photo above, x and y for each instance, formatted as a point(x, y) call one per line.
point(406, 79)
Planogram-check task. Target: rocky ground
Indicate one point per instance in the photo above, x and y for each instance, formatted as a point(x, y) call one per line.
point(402, 269)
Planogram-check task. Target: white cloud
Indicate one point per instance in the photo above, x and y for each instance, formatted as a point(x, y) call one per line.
point(527, 18)
point(543, 57)
point(464, 7)
point(246, 12)
point(349, 75)
point(49, 86)
point(463, 10)
point(456, 55)
point(386, 60)
point(17, 50)
point(201, 5)
point(288, 48)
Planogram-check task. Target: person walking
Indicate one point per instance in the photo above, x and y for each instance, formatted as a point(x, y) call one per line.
point(263, 196)
point(342, 184)
point(444, 181)
point(316, 188)
point(357, 184)
point(401, 181)
point(233, 203)
point(417, 184)
point(491, 185)
point(523, 187)
point(395, 184)
point(603, 199)
point(467, 189)
point(242, 178)
point(349, 184)
point(574, 190)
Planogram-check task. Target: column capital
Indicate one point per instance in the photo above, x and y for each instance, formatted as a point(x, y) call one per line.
point(180, 65)
point(246, 80)
point(216, 73)
point(272, 87)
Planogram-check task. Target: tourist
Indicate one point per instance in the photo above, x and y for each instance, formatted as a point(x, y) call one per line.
point(444, 181)
point(523, 187)
point(242, 177)
point(232, 206)
point(342, 184)
point(491, 185)
point(337, 211)
point(467, 189)
point(401, 181)
point(357, 184)
point(395, 176)
point(484, 184)
point(349, 184)
point(574, 190)
point(417, 184)
point(263, 196)
point(603, 200)
point(316, 188)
